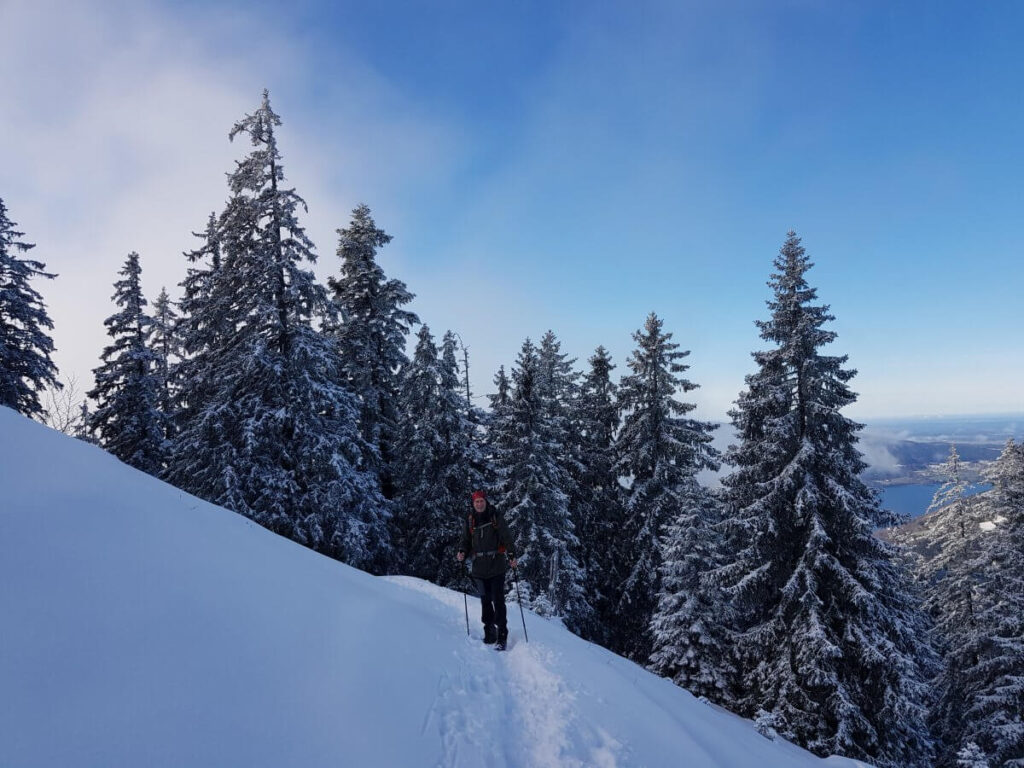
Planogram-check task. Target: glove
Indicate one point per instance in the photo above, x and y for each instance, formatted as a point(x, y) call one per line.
point(460, 556)
point(513, 562)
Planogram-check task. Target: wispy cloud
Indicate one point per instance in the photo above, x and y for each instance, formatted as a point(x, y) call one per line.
point(115, 129)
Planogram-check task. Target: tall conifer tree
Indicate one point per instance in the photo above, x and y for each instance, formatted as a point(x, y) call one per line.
point(599, 516)
point(953, 491)
point(127, 421)
point(829, 639)
point(162, 340)
point(25, 346)
point(372, 337)
point(531, 482)
point(204, 330)
point(951, 581)
point(493, 436)
point(692, 622)
point(286, 451)
point(503, 388)
point(660, 451)
point(559, 391)
point(469, 466)
point(993, 718)
point(203, 326)
point(435, 470)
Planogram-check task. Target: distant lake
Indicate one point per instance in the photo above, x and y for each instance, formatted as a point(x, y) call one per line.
point(913, 500)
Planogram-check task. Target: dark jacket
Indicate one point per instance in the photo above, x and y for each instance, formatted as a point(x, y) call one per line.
point(487, 539)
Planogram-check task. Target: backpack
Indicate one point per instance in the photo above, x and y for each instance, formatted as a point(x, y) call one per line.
point(493, 521)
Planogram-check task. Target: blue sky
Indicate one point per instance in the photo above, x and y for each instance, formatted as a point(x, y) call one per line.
point(570, 166)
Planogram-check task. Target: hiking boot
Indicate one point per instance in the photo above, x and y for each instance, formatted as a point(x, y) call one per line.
point(502, 639)
point(489, 634)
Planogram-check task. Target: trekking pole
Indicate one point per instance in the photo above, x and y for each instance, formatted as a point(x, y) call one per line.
point(465, 604)
point(519, 599)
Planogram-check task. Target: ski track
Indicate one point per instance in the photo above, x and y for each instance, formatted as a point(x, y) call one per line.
point(520, 712)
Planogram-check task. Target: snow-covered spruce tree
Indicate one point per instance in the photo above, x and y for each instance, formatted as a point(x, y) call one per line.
point(692, 622)
point(81, 427)
point(829, 640)
point(455, 385)
point(953, 490)
point(162, 340)
point(1006, 475)
point(203, 325)
point(660, 451)
point(25, 346)
point(599, 516)
point(127, 421)
point(531, 483)
point(503, 388)
point(994, 718)
point(371, 337)
point(973, 596)
point(469, 467)
point(434, 471)
point(951, 579)
point(204, 329)
point(272, 434)
point(558, 387)
point(492, 437)
point(498, 401)
point(559, 384)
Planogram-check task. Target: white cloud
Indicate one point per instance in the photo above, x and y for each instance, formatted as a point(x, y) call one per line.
point(115, 124)
point(123, 118)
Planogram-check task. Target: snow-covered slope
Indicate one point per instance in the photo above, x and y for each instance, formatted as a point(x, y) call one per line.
point(143, 627)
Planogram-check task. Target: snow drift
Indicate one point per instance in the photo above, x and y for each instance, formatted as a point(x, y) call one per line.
point(144, 627)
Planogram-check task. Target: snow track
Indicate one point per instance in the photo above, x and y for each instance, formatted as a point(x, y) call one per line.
point(506, 709)
point(542, 704)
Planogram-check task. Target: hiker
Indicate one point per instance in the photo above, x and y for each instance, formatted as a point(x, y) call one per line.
point(488, 542)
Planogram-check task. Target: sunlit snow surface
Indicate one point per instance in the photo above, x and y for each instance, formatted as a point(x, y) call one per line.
point(143, 627)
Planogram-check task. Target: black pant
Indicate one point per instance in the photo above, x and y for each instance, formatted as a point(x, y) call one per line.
point(492, 601)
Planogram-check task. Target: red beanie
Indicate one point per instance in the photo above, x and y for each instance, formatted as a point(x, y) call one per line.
point(479, 495)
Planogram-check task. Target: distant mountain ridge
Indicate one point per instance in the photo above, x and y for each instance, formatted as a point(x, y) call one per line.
point(905, 451)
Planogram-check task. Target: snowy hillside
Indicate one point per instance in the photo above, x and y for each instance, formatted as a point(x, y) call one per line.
point(142, 627)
